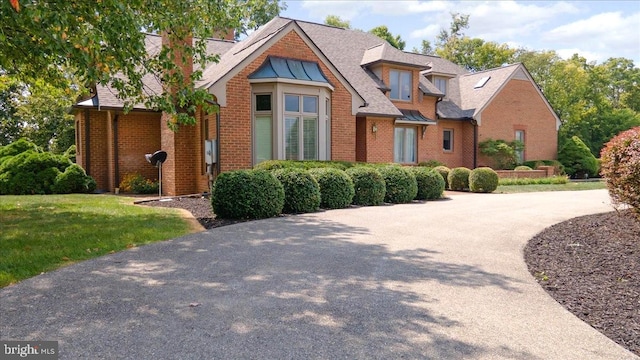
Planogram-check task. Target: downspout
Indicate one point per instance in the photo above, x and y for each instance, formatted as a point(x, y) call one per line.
point(475, 143)
point(217, 144)
point(87, 148)
point(116, 167)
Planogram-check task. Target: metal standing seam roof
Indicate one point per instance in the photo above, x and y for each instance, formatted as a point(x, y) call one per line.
point(414, 117)
point(277, 67)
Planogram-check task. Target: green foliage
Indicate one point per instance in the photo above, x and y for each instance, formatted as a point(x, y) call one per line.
point(336, 187)
point(73, 180)
point(302, 164)
point(102, 43)
point(430, 163)
point(383, 33)
point(444, 172)
point(301, 191)
point(425, 48)
point(621, 168)
point(558, 168)
point(483, 180)
point(503, 153)
point(577, 159)
point(554, 180)
point(335, 20)
point(401, 184)
point(31, 172)
point(459, 179)
point(138, 184)
point(369, 185)
point(17, 147)
point(523, 168)
point(70, 153)
point(430, 183)
point(247, 194)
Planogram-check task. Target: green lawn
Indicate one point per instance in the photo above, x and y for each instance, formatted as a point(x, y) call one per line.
point(570, 186)
point(43, 232)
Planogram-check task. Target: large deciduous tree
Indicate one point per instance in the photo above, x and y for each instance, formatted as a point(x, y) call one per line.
point(103, 42)
point(383, 32)
point(335, 20)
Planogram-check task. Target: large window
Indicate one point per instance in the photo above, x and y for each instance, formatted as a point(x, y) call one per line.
point(263, 128)
point(400, 84)
point(441, 84)
point(447, 140)
point(520, 153)
point(301, 127)
point(405, 145)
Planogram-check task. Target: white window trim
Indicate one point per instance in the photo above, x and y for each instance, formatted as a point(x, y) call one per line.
point(415, 144)
point(451, 142)
point(400, 85)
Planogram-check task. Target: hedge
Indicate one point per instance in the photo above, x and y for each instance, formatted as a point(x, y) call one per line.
point(368, 184)
point(247, 194)
point(336, 187)
point(400, 184)
point(301, 190)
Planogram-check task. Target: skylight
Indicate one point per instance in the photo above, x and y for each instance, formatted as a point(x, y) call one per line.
point(482, 82)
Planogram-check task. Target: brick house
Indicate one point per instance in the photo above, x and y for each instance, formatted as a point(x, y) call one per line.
point(300, 90)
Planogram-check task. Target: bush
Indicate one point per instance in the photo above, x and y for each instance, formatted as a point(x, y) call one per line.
point(558, 167)
point(368, 184)
point(302, 164)
point(483, 180)
point(138, 184)
point(301, 191)
point(70, 153)
point(336, 187)
point(430, 183)
point(504, 154)
point(577, 159)
point(17, 147)
point(247, 194)
point(30, 172)
point(621, 168)
point(459, 179)
point(73, 180)
point(430, 163)
point(401, 185)
point(523, 168)
point(444, 172)
point(554, 180)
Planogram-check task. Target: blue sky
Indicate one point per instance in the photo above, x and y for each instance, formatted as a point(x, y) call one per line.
point(596, 30)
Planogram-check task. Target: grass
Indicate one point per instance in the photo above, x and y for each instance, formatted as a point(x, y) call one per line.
point(41, 233)
point(570, 186)
point(554, 180)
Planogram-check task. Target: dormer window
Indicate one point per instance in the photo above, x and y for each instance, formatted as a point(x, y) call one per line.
point(441, 84)
point(400, 84)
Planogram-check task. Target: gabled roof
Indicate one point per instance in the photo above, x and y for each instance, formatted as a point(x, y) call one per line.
point(477, 99)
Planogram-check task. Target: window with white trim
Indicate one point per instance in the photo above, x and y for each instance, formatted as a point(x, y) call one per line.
point(300, 127)
point(405, 144)
point(447, 139)
point(400, 84)
point(263, 128)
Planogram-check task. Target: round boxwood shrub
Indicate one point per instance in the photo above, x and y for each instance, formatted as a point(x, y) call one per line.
point(621, 168)
point(301, 190)
point(577, 159)
point(401, 184)
point(247, 194)
point(444, 172)
point(336, 187)
point(459, 179)
point(522, 168)
point(73, 180)
point(430, 183)
point(368, 184)
point(483, 180)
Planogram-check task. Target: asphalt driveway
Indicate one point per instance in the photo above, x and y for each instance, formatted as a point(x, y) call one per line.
point(439, 280)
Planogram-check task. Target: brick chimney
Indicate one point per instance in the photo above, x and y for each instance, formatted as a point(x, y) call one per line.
point(229, 35)
point(180, 171)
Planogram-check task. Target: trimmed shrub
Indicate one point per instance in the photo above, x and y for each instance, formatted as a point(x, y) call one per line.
point(336, 187)
point(30, 172)
point(621, 168)
point(430, 183)
point(138, 184)
point(444, 172)
point(577, 159)
point(401, 184)
point(522, 168)
point(302, 164)
point(247, 194)
point(301, 190)
point(554, 180)
point(430, 163)
point(483, 180)
point(73, 180)
point(558, 167)
point(368, 184)
point(459, 179)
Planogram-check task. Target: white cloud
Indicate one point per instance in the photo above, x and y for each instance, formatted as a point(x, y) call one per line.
point(348, 10)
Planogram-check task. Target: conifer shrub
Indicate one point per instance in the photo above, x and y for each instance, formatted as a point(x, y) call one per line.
point(247, 194)
point(30, 172)
point(577, 159)
point(621, 168)
point(336, 187)
point(301, 190)
point(483, 180)
point(368, 184)
point(430, 183)
point(444, 172)
point(459, 179)
point(401, 184)
point(73, 180)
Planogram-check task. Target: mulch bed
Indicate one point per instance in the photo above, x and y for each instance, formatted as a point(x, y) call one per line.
point(590, 265)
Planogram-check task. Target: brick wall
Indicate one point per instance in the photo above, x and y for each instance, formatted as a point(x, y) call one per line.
point(138, 134)
point(519, 107)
